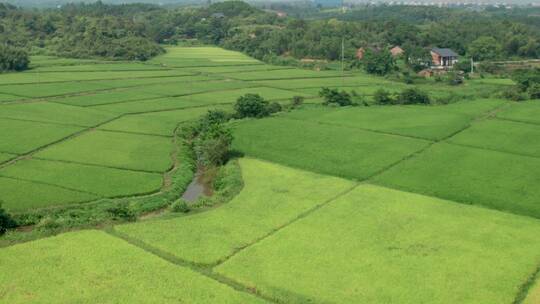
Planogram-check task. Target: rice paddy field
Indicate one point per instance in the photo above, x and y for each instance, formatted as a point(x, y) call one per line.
point(368, 204)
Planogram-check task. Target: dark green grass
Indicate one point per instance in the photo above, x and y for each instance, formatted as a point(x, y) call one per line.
point(501, 135)
point(120, 150)
point(23, 136)
point(93, 267)
point(376, 245)
point(328, 149)
point(272, 196)
point(55, 113)
point(526, 112)
point(107, 182)
point(18, 195)
point(492, 179)
point(158, 123)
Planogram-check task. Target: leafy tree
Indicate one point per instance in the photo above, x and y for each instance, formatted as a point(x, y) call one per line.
point(335, 97)
point(485, 48)
point(251, 105)
point(378, 62)
point(6, 222)
point(212, 146)
point(526, 78)
point(416, 57)
point(13, 58)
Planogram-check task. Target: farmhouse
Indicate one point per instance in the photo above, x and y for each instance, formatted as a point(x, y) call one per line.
point(443, 58)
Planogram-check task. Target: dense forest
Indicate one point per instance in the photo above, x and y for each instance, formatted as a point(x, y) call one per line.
point(135, 31)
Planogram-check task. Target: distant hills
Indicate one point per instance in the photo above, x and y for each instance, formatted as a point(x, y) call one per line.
point(319, 3)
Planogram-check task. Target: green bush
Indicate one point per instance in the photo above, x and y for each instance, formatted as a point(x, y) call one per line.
point(212, 146)
point(383, 97)
point(334, 97)
point(274, 107)
point(413, 96)
point(180, 206)
point(122, 212)
point(534, 91)
point(297, 101)
point(251, 105)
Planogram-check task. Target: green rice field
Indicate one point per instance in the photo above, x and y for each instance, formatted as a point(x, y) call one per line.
point(358, 204)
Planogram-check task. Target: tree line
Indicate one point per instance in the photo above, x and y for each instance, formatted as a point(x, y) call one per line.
point(135, 31)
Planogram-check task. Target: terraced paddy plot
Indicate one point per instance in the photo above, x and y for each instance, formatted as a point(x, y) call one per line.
point(150, 105)
point(158, 123)
point(59, 61)
point(272, 196)
point(505, 136)
point(376, 245)
point(90, 267)
point(54, 113)
point(107, 97)
point(173, 89)
point(426, 122)
point(201, 56)
point(230, 96)
point(239, 68)
point(113, 149)
point(351, 81)
point(523, 111)
point(101, 181)
point(492, 179)
point(16, 197)
point(328, 149)
point(20, 137)
point(51, 89)
point(128, 66)
point(155, 81)
point(285, 74)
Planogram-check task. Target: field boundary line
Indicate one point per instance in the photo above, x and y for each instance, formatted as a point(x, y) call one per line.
point(89, 80)
point(490, 149)
point(288, 223)
point(99, 196)
point(43, 122)
point(98, 165)
point(358, 128)
point(205, 271)
point(517, 121)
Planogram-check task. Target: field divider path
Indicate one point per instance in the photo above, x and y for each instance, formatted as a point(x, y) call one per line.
point(292, 221)
point(526, 286)
point(516, 121)
point(203, 270)
point(54, 185)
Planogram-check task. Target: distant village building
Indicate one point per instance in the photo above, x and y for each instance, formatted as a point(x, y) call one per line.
point(218, 15)
point(397, 51)
point(443, 58)
point(281, 14)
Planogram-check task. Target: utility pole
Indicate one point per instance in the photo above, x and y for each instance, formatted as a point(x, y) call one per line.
point(472, 65)
point(342, 49)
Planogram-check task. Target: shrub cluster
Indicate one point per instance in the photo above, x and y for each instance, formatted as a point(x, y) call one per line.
point(254, 105)
point(6, 222)
point(528, 85)
point(407, 97)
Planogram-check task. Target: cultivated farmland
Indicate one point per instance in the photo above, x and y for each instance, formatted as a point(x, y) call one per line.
point(365, 204)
